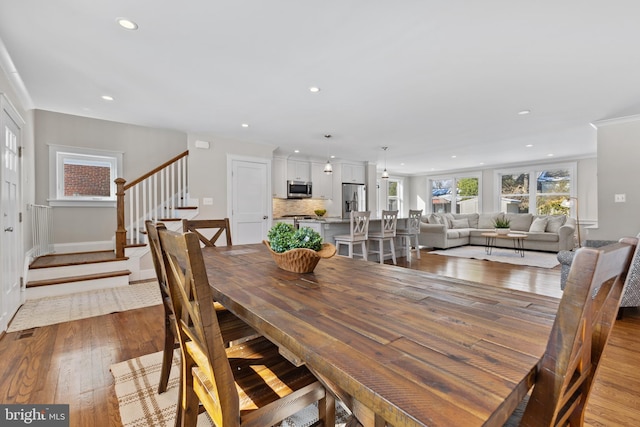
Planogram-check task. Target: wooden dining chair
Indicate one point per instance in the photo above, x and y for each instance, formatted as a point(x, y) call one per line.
point(233, 328)
point(387, 233)
point(248, 385)
point(585, 317)
point(409, 234)
point(358, 234)
point(218, 225)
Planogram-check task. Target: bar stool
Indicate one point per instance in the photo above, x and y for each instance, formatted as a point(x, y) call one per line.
point(358, 234)
point(387, 233)
point(411, 232)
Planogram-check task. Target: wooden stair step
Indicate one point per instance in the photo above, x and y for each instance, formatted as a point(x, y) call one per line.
point(72, 279)
point(74, 258)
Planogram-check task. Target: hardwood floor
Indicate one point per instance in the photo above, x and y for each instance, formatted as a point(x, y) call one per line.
point(69, 362)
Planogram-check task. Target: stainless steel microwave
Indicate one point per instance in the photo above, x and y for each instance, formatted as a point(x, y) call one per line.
point(298, 190)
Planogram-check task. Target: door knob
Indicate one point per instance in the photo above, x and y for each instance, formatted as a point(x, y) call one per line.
point(8, 229)
point(265, 217)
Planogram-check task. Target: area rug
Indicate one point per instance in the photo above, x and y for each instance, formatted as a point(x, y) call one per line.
point(506, 255)
point(81, 305)
point(136, 385)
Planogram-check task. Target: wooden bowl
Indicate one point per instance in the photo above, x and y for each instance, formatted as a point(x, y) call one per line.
point(301, 260)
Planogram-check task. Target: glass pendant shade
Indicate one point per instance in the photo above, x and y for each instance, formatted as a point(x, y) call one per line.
point(328, 169)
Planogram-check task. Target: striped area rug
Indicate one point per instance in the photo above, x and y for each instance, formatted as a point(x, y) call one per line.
point(136, 385)
point(81, 305)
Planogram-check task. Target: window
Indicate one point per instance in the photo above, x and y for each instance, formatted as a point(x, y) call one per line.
point(394, 192)
point(547, 194)
point(455, 194)
point(82, 176)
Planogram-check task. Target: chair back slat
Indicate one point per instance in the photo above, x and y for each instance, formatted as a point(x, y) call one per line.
point(196, 318)
point(359, 224)
point(413, 221)
point(389, 223)
point(198, 225)
point(579, 335)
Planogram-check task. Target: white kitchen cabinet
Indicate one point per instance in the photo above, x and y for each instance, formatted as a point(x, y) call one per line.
point(279, 177)
point(298, 170)
point(353, 173)
point(322, 182)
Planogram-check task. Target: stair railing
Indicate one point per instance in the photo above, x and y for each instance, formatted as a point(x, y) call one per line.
point(154, 196)
point(42, 230)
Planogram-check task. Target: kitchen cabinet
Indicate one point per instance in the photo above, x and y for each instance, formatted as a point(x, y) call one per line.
point(279, 177)
point(298, 170)
point(322, 182)
point(353, 173)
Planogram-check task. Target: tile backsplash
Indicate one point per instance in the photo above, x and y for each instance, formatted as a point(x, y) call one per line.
point(296, 206)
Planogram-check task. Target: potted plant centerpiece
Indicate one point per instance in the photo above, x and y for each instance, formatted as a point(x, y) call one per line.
point(501, 225)
point(299, 250)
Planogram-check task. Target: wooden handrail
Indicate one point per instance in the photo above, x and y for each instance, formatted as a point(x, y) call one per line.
point(156, 170)
point(121, 188)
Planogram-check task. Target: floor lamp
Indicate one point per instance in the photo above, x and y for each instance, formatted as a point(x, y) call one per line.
point(567, 203)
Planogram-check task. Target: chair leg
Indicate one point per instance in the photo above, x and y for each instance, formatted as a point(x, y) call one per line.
point(364, 250)
point(393, 251)
point(417, 246)
point(167, 356)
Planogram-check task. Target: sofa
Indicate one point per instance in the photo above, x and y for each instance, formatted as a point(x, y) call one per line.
point(631, 295)
point(551, 233)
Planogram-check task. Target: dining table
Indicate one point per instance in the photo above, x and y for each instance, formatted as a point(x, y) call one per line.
point(402, 347)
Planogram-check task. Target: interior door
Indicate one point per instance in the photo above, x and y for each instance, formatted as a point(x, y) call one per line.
point(10, 220)
point(251, 202)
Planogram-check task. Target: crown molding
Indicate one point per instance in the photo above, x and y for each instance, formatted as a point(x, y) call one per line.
point(14, 78)
point(616, 121)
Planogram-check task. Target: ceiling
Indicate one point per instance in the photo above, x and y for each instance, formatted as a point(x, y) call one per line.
point(441, 83)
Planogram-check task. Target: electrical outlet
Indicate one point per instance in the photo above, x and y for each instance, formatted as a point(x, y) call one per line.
point(620, 198)
point(207, 201)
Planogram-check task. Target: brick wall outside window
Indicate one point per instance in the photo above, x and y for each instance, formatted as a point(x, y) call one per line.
point(87, 181)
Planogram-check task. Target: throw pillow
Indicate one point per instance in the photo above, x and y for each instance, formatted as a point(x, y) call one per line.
point(434, 219)
point(486, 221)
point(460, 223)
point(520, 221)
point(448, 217)
point(539, 225)
point(555, 222)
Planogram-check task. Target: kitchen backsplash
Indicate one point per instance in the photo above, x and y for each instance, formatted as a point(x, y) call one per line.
point(296, 206)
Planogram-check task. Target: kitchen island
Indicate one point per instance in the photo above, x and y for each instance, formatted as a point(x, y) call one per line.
point(332, 226)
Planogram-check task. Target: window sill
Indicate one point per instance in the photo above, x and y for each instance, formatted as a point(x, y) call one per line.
point(82, 203)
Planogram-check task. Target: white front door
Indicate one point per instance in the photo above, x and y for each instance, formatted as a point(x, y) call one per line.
point(250, 200)
point(10, 220)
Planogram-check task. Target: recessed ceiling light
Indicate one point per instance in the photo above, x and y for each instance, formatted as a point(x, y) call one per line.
point(524, 112)
point(529, 145)
point(296, 151)
point(107, 97)
point(245, 125)
point(454, 156)
point(127, 24)
point(550, 155)
point(314, 89)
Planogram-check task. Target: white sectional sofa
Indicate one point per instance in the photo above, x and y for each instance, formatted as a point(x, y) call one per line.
point(552, 233)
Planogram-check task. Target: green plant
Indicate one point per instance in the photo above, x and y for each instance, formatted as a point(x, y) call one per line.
point(501, 223)
point(283, 237)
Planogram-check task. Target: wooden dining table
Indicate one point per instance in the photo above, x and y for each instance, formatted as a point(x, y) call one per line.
point(408, 348)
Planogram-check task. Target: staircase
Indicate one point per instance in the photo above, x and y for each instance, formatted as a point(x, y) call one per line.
point(160, 195)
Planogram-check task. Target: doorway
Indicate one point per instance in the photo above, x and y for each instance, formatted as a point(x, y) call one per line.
point(250, 199)
point(10, 220)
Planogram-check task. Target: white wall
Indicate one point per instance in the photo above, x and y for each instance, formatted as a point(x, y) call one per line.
point(618, 173)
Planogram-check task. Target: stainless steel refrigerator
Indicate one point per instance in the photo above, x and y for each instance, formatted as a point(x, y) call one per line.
point(354, 198)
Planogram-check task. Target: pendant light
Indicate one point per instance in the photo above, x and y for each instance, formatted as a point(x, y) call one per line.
point(328, 169)
point(385, 174)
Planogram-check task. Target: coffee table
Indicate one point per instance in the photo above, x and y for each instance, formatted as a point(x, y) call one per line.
point(518, 241)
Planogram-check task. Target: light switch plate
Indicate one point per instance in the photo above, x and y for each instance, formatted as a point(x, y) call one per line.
point(620, 198)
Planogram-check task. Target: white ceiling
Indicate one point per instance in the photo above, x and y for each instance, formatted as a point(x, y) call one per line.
point(429, 79)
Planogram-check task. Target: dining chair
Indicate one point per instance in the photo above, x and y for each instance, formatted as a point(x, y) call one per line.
point(234, 330)
point(358, 234)
point(248, 385)
point(409, 234)
point(198, 225)
point(387, 233)
point(584, 320)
